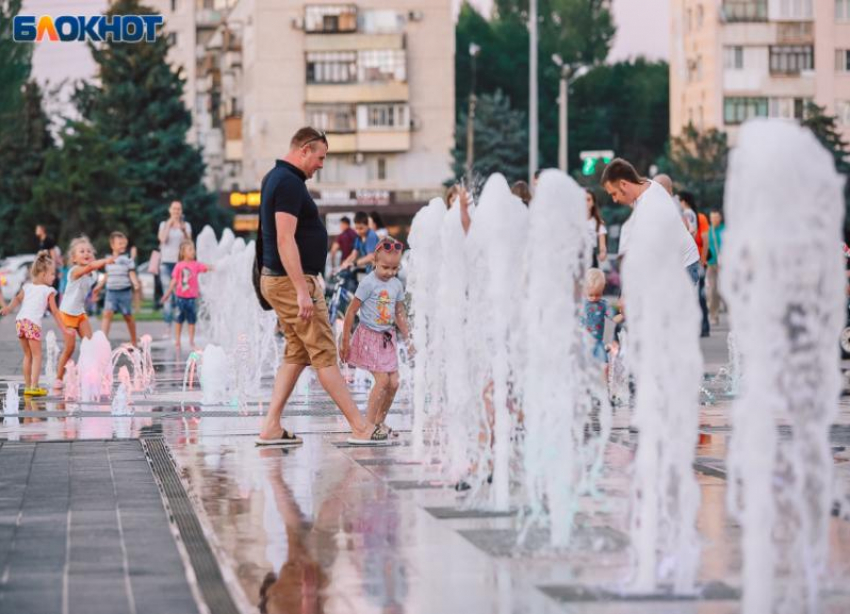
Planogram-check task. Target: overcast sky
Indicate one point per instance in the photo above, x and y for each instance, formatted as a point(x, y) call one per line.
point(642, 29)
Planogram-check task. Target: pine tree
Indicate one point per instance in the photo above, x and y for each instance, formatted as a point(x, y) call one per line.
point(825, 129)
point(137, 108)
point(24, 135)
point(501, 140)
point(697, 162)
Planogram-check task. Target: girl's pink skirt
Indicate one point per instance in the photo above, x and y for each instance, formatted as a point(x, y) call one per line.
point(373, 351)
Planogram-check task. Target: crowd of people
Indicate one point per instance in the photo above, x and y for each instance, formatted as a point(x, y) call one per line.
point(70, 285)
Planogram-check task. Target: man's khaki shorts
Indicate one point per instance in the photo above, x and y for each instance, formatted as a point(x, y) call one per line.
point(308, 342)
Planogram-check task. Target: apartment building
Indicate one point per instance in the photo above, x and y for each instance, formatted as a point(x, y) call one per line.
point(732, 60)
point(377, 77)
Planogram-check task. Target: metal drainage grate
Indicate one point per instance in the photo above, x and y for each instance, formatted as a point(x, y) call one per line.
point(207, 573)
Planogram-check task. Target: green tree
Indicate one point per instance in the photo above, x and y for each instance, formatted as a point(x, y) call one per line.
point(501, 140)
point(24, 147)
point(24, 134)
point(697, 162)
point(136, 107)
point(637, 131)
point(825, 129)
point(580, 31)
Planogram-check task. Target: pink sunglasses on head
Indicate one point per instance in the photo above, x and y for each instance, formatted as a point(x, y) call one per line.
point(389, 246)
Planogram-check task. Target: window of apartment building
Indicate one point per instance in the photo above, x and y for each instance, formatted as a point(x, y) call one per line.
point(795, 9)
point(700, 16)
point(791, 59)
point(377, 168)
point(384, 117)
point(172, 38)
point(376, 21)
point(842, 110)
point(173, 5)
point(329, 18)
point(842, 60)
point(788, 108)
point(332, 67)
point(733, 58)
point(381, 65)
point(333, 118)
point(745, 10)
point(738, 109)
point(842, 10)
point(689, 20)
point(333, 170)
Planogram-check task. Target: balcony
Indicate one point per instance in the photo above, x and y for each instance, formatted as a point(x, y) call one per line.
point(744, 11)
point(353, 42)
point(392, 91)
point(796, 33)
point(370, 142)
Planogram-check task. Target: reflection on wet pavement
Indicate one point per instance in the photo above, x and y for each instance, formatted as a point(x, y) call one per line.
point(326, 528)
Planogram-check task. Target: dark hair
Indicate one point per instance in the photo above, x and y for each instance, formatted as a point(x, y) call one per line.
point(595, 213)
point(307, 136)
point(620, 170)
point(376, 217)
point(537, 173)
point(361, 217)
point(345, 220)
point(520, 189)
point(689, 199)
point(117, 235)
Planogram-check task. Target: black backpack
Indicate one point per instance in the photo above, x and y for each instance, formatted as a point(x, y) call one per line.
point(258, 263)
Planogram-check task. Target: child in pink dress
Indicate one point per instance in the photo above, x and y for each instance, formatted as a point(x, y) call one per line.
point(184, 284)
point(380, 301)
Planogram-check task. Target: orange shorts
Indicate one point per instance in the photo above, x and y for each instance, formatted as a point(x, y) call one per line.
point(307, 343)
point(72, 322)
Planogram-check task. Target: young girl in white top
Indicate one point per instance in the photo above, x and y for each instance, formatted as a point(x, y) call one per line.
point(35, 298)
point(72, 309)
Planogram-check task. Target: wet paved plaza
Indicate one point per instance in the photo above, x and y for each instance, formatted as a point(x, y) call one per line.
point(175, 506)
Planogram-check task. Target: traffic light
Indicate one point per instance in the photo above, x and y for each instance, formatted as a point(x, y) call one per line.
point(591, 159)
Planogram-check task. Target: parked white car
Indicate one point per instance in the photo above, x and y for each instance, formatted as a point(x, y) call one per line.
point(14, 272)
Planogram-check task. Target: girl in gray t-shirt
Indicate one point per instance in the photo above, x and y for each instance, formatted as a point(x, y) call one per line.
point(380, 302)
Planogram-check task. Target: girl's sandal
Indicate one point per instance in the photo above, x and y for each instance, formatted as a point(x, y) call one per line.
point(379, 437)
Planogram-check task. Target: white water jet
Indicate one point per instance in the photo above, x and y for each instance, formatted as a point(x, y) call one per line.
point(784, 284)
point(51, 359)
point(95, 368)
point(618, 373)
point(423, 279)
point(122, 399)
point(665, 357)
point(560, 381)
point(734, 371)
point(214, 375)
point(461, 422)
point(228, 318)
point(145, 365)
point(71, 382)
point(12, 400)
point(496, 271)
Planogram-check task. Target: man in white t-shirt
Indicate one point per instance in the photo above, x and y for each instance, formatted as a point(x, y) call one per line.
point(647, 198)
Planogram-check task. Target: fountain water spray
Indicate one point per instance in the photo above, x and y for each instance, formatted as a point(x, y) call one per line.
point(784, 284)
point(71, 382)
point(214, 370)
point(122, 399)
point(496, 271)
point(51, 359)
point(423, 279)
point(665, 356)
point(95, 368)
point(11, 401)
point(560, 381)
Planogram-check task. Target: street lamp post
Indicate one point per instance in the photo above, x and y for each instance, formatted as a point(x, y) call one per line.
point(532, 91)
point(563, 106)
point(470, 121)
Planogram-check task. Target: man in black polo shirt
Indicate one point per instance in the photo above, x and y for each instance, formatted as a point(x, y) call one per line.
point(295, 247)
